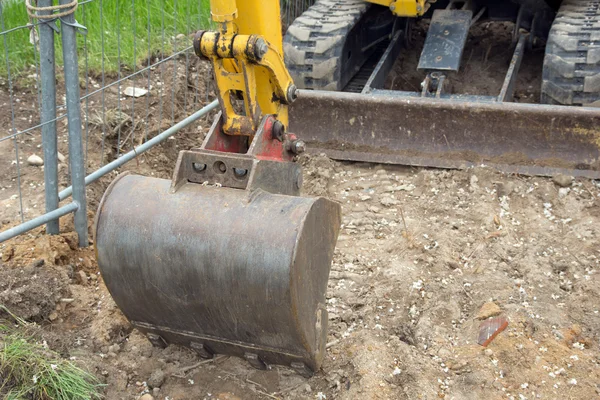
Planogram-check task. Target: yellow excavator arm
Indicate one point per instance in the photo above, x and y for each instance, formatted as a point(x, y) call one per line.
point(247, 57)
point(246, 52)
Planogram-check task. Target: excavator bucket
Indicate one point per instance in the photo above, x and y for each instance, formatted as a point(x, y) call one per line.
point(529, 139)
point(227, 258)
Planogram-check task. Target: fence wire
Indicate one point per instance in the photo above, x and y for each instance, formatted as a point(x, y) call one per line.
point(123, 59)
point(138, 76)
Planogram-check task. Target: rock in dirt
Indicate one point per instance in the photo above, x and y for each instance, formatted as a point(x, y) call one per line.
point(146, 396)
point(473, 182)
point(156, 379)
point(35, 160)
point(559, 266)
point(388, 201)
point(453, 265)
point(562, 180)
point(81, 278)
point(563, 192)
point(38, 263)
point(134, 91)
point(8, 253)
point(61, 157)
point(488, 310)
point(458, 366)
point(505, 189)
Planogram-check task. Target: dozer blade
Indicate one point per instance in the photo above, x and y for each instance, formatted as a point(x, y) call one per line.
point(528, 139)
point(215, 262)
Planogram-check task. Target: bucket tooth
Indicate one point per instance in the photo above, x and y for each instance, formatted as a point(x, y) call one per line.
point(202, 350)
point(255, 360)
point(157, 340)
point(302, 369)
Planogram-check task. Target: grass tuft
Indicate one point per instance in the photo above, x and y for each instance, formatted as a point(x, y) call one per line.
point(29, 370)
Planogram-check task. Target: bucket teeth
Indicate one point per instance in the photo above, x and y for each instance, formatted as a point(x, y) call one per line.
point(255, 360)
point(157, 340)
point(202, 350)
point(302, 369)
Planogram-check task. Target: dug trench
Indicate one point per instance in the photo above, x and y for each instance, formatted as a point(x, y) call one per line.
point(424, 256)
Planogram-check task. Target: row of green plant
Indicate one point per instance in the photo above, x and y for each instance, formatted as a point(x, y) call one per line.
point(120, 33)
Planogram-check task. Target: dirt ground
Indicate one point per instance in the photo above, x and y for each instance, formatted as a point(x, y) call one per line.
point(485, 61)
point(421, 257)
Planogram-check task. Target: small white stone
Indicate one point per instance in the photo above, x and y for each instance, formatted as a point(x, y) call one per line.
point(61, 157)
point(134, 91)
point(35, 160)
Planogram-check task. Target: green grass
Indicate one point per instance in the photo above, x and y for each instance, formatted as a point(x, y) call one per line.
point(116, 24)
point(29, 370)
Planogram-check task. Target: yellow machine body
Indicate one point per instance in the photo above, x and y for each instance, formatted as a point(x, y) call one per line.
point(246, 54)
point(404, 8)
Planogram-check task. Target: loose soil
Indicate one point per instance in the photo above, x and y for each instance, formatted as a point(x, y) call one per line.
point(485, 61)
point(421, 255)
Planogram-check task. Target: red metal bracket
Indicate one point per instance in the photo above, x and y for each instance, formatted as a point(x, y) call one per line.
point(264, 146)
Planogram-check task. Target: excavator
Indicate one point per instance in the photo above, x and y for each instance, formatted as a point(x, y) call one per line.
point(228, 257)
point(341, 51)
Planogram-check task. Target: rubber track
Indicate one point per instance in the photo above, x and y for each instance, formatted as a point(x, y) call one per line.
point(572, 61)
point(358, 81)
point(314, 42)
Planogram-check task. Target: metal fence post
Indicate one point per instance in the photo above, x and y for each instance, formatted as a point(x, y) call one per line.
point(48, 120)
point(69, 42)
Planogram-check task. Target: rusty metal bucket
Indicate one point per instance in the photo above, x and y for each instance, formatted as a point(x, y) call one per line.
point(225, 258)
point(220, 270)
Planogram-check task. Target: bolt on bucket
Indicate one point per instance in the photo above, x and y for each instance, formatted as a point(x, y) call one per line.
point(219, 269)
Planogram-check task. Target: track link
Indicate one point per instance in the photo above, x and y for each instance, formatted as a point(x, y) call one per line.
point(314, 44)
point(572, 62)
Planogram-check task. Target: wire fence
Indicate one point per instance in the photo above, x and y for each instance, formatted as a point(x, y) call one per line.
point(137, 82)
